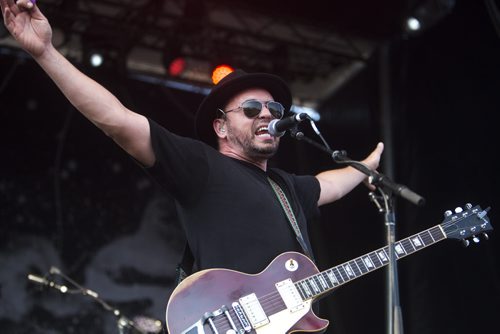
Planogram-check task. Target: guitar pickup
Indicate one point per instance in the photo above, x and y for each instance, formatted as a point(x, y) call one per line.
point(290, 295)
point(254, 310)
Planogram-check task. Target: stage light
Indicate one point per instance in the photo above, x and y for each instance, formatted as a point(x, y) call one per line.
point(413, 24)
point(177, 66)
point(426, 14)
point(96, 59)
point(220, 72)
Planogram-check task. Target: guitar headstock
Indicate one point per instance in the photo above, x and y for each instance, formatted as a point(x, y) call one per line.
point(463, 224)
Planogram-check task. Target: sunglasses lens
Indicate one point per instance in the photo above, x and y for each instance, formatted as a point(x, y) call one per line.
point(276, 109)
point(251, 108)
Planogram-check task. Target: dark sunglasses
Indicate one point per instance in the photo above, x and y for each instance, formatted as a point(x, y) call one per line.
point(252, 108)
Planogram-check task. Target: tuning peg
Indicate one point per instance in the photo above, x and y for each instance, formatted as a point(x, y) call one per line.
point(465, 243)
point(448, 213)
point(486, 236)
point(475, 239)
point(468, 206)
point(458, 209)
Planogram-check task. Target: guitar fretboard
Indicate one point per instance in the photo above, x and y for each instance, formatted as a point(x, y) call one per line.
point(329, 279)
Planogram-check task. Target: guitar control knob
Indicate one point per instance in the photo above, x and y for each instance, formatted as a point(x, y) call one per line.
point(486, 236)
point(448, 213)
point(475, 239)
point(458, 209)
point(465, 243)
point(468, 206)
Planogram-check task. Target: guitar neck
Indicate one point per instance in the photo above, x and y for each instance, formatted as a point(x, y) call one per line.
point(325, 281)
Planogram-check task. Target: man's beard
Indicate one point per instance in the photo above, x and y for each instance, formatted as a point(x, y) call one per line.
point(251, 149)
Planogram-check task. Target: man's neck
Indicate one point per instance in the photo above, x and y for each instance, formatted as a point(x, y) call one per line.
point(261, 163)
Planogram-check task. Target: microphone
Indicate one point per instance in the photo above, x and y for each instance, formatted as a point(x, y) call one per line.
point(277, 127)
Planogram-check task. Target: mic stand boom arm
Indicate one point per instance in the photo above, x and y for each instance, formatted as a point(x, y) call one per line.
point(387, 188)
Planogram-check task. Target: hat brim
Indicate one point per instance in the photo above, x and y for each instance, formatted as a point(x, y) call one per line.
point(223, 92)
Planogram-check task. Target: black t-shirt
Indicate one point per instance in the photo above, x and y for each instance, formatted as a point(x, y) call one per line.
point(229, 211)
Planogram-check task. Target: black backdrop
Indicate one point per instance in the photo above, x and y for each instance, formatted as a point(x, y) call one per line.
point(71, 199)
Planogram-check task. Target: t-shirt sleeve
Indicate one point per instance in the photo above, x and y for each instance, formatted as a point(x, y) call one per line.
point(181, 163)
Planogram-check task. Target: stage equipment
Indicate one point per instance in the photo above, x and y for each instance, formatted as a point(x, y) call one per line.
point(137, 325)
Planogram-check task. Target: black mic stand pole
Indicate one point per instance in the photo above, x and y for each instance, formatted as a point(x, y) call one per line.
point(387, 189)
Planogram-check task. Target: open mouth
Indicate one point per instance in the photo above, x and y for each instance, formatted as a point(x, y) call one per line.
point(262, 131)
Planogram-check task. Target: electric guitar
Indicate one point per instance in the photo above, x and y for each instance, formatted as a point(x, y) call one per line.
point(278, 299)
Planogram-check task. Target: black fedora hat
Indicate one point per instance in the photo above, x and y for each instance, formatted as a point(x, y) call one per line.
point(229, 86)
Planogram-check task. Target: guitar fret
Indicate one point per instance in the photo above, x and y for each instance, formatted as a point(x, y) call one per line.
point(347, 271)
point(437, 233)
point(399, 251)
point(301, 291)
point(384, 251)
point(332, 277)
point(325, 277)
point(408, 246)
point(340, 274)
point(430, 234)
point(306, 289)
point(355, 267)
point(377, 259)
point(416, 242)
point(318, 283)
point(321, 279)
point(361, 265)
point(368, 262)
point(311, 288)
point(345, 274)
point(350, 270)
point(426, 237)
point(314, 285)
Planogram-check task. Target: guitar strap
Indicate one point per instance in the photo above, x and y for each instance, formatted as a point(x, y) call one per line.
point(185, 267)
point(285, 204)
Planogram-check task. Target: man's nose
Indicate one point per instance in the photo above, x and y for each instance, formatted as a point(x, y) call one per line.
point(265, 113)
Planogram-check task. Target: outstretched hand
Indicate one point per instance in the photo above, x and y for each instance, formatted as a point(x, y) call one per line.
point(27, 25)
point(373, 160)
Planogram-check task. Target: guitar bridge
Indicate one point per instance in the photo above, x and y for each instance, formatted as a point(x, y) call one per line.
point(209, 317)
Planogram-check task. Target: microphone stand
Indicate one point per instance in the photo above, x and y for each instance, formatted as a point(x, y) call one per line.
point(123, 323)
point(387, 189)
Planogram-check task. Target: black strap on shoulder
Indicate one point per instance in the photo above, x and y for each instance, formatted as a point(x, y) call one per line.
point(285, 204)
point(185, 267)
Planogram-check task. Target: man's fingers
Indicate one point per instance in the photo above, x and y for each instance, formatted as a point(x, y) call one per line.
point(22, 5)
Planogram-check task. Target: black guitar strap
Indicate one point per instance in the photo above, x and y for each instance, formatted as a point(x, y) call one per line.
point(185, 267)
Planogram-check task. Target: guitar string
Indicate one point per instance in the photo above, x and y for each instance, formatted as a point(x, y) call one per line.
point(270, 296)
point(359, 259)
point(348, 278)
point(272, 301)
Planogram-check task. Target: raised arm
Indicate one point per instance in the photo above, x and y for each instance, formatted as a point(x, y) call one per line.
point(338, 182)
point(32, 31)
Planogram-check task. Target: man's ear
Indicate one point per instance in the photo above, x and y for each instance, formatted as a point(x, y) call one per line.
point(219, 127)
